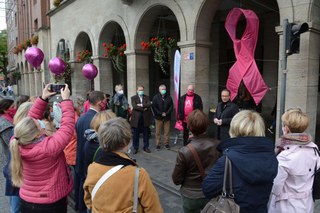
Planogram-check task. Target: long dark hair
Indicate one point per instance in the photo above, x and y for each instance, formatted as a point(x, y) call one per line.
point(5, 104)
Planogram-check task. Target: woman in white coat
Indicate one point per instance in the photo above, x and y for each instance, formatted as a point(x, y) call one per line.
point(292, 189)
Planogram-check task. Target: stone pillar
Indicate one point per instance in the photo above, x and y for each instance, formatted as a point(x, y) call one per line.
point(103, 81)
point(137, 71)
point(195, 61)
point(303, 77)
point(38, 82)
point(32, 83)
point(80, 85)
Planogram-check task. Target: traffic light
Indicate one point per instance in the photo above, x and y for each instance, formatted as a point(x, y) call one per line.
point(293, 37)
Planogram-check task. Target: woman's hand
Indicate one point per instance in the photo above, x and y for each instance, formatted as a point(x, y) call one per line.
point(46, 92)
point(65, 92)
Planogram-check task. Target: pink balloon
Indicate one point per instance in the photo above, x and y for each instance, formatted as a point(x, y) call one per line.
point(34, 56)
point(89, 71)
point(57, 65)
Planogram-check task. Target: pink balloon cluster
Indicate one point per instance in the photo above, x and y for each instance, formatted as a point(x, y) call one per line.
point(89, 71)
point(57, 65)
point(34, 56)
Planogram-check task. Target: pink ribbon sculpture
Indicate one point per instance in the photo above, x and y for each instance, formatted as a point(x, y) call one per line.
point(245, 69)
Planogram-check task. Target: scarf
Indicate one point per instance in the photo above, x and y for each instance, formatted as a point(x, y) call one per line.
point(120, 97)
point(295, 139)
point(112, 159)
point(8, 117)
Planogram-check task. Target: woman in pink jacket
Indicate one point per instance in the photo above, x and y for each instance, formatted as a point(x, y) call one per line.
point(292, 188)
point(38, 163)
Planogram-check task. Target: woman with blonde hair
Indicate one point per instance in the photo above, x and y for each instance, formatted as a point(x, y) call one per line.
point(11, 191)
point(292, 189)
point(92, 144)
point(254, 164)
point(38, 164)
point(116, 193)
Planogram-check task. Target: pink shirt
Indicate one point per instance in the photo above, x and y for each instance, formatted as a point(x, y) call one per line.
point(188, 107)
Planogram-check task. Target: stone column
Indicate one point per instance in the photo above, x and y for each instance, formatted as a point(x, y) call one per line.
point(32, 83)
point(137, 71)
point(103, 81)
point(80, 85)
point(195, 63)
point(303, 77)
point(38, 82)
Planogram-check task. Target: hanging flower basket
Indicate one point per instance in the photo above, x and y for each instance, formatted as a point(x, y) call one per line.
point(115, 55)
point(84, 56)
point(35, 40)
point(162, 48)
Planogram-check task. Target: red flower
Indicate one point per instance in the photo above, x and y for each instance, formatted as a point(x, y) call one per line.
point(105, 55)
point(104, 44)
point(121, 53)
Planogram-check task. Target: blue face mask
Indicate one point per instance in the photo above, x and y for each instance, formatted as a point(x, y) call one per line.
point(163, 92)
point(140, 93)
point(42, 125)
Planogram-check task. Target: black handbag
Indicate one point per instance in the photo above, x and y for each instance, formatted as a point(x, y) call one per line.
point(225, 202)
point(316, 179)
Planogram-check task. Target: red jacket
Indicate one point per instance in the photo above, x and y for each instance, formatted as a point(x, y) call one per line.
point(46, 176)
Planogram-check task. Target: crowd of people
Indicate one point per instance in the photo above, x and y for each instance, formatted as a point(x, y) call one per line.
point(53, 147)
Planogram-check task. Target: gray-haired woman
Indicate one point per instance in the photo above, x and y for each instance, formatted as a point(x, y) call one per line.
point(114, 195)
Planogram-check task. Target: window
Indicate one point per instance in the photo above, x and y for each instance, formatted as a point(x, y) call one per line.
point(35, 24)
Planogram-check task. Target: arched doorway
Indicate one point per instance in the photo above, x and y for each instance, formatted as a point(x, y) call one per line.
point(159, 23)
point(113, 64)
point(63, 52)
point(81, 85)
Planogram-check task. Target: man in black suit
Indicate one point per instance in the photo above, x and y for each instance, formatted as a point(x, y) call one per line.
point(141, 119)
point(224, 114)
point(98, 102)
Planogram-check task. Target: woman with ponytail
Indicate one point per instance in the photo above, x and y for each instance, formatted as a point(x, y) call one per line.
point(38, 165)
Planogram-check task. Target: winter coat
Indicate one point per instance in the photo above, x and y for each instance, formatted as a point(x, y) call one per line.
point(90, 147)
point(46, 175)
point(197, 104)
point(71, 149)
point(143, 112)
point(186, 172)
point(116, 193)
point(292, 189)
point(254, 166)
point(226, 116)
point(160, 105)
point(5, 131)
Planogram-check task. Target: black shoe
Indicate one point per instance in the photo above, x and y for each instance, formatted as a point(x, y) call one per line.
point(147, 150)
point(158, 148)
point(135, 151)
point(167, 146)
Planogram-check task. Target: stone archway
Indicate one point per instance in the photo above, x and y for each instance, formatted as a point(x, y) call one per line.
point(112, 71)
point(157, 21)
point(81, 85)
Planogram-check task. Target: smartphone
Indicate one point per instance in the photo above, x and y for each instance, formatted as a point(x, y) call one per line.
point(56, 87)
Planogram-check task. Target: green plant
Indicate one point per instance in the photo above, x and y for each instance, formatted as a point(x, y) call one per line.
point(162, 48)
point(65, 75)
point(16, 76)
point(56, 3)
point(115, 54)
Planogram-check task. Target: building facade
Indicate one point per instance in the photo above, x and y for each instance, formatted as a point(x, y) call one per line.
point(206, 49)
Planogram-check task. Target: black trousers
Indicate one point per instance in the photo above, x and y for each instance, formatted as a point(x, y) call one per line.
point(185, 134)
point(59, 206)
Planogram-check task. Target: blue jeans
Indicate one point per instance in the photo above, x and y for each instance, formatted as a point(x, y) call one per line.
point(15, 204)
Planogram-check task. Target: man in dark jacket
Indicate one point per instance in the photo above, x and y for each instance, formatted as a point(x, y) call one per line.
point(162, 106)
point(187, 103)
point(141, 119)
point(224, 114)
point(98, 102)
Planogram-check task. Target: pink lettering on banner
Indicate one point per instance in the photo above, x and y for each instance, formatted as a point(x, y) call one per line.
point(245, 68)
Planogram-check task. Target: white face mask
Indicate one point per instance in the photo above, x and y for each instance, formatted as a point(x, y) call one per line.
point(120, 92)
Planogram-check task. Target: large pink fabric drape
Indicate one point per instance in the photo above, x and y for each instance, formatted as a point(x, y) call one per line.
point(245, 69)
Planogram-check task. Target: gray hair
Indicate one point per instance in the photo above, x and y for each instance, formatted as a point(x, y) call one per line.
point(114, 134)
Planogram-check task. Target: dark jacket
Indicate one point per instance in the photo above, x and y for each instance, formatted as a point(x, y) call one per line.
point(254, 166)
point(143, 112)
point(197, 104)
point(160, 105)
point(90, 147)
point(226, 115)
point(186, 172)
point(82, 124)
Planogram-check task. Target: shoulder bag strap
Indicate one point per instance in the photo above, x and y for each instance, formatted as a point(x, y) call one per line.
point(103, 179)
point(231, 195)
point(135, 190)
point(224, 191)
point(197, 159)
